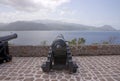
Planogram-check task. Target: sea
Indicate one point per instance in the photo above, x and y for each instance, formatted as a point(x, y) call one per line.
point(37, 38)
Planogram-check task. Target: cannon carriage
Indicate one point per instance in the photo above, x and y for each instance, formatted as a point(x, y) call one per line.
point(59, 57)
point(4, 48)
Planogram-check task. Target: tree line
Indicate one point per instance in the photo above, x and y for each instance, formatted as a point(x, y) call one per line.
point(77, 42)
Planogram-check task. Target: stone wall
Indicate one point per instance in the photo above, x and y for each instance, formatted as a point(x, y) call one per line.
point(76, 50)
point(28, 51)
point(96, 50)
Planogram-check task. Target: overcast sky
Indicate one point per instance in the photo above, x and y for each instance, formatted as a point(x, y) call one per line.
point(87, 12)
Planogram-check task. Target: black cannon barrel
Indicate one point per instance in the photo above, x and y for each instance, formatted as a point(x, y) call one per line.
point(8, 37)
point(59, 56)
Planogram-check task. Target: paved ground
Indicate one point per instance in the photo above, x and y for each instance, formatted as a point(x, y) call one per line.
point(91, 68)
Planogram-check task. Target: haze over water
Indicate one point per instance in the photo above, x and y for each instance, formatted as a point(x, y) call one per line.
point(37, 37)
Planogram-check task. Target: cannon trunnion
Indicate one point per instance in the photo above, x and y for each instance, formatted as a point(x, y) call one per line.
point(59, 57)
point(4, 49)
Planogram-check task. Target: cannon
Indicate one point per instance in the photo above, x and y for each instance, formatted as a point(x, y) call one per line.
point(59, 57)
point(4, 48)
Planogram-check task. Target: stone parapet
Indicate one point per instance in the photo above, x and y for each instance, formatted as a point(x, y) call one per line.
point(38, 51)
point(29, 51)
point(96, 50)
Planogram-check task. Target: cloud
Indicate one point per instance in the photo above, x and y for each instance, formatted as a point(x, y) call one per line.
point(67, 12)
point(23, 16)
point(58, 14)
point(33, 5)
point(27, 10)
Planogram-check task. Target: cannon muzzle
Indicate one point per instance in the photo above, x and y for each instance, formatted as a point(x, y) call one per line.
point(9, 37)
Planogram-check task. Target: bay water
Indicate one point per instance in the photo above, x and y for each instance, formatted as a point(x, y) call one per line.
point(38, 37)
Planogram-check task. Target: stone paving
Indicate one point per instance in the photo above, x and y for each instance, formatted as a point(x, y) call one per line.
point(91, 68)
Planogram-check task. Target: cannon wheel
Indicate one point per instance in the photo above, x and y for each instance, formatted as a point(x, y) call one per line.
point(74, 70)
point(9, 58)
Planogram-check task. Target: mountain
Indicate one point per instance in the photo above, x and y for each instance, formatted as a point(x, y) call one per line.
point(107, 27)
point(2, 25)
point(23, 26)
point(50, 25)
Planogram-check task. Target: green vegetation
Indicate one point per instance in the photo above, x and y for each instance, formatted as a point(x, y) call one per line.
point(73, 42)
point(77, 42)
point(110, 40)
point(43, 43)
point(81, 41)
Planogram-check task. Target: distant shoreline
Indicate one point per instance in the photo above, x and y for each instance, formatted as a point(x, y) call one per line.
point(51, 26)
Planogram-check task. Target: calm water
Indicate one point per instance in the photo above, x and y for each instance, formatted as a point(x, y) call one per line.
point(37, 37)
